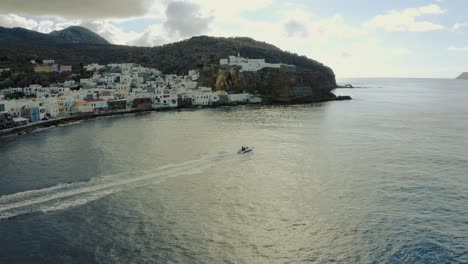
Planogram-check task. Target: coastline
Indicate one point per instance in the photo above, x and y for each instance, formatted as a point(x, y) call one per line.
point(87, 116)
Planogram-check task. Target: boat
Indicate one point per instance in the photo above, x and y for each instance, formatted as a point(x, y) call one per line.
point(244, 150)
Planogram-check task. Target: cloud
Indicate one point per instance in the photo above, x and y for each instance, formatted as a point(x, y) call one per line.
point(405, 20)
point(400, 51)
point(12, 20)
point(294, 28)
point(333, 27)
point(453, 48)
point(458, 26)
point(184, 19)
point(46, 26)
point(365, 57)
point(232, 10)
point(110, 31)
point(85, 9)
point(152, 36)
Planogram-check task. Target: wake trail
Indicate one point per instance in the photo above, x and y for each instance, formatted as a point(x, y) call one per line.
point(63, 196)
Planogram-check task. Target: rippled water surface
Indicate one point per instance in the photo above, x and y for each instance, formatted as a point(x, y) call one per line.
point(379, 179)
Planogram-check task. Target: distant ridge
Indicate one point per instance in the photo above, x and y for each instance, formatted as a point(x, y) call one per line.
point(463, 76)
point(70, 35)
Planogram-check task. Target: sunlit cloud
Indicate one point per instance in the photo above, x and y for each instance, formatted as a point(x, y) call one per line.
point(453, 48)
point(406, 20)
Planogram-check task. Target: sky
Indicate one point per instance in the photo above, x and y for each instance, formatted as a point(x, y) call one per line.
point(356, 38)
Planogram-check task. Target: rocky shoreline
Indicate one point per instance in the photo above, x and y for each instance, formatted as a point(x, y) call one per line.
point(70, 119)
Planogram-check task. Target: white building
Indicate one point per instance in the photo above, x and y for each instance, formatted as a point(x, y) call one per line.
point(14, 107)
point(193, 75)
point(66, 105)
point(250, 64)
point(164, 98)
point(31, 89)
point(60, 91)
point(122, 88)
point(94, 67)
point(12, 90)
point(39, 103)
point(88, 83)
point(97, 105)
point(51, 107)
point(43, 92)
point(203, 96)
point(69, 83)
point(125, 78)
point(239, 98)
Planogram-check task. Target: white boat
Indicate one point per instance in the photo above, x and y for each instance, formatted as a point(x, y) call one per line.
point(244, 150)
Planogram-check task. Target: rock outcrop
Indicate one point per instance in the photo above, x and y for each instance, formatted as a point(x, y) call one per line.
point(274, 84)
point(463, 76)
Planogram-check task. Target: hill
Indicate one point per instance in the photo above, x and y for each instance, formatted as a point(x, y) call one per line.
point(70, 35)
point(463, 76)
point(203, 53)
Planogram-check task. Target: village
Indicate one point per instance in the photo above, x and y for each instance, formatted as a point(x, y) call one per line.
point(117, 88)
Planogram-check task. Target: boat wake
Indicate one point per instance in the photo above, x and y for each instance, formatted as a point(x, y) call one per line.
point(64, 196)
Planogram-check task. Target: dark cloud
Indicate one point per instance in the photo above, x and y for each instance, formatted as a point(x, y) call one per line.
point(83, 9)
point(295, 29)
point(184, 19)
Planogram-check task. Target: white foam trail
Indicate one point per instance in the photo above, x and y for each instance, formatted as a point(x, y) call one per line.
point(71, 123)
point(64, 196)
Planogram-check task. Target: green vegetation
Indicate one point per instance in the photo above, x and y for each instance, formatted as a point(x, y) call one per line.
point(69, 35)
point(194, 53)
point(23, 79)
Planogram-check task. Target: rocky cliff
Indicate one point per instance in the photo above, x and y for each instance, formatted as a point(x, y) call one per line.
point(274, 84)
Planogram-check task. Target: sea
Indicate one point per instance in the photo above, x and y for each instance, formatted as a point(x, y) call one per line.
point(382, 178)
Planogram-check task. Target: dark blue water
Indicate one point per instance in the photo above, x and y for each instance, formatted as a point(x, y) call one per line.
point(379, 179)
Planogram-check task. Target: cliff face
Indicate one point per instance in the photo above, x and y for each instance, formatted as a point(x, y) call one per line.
point(274, 84)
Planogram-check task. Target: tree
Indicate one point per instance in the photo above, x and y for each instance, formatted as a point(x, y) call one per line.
point(17, 95)
point(5, 74)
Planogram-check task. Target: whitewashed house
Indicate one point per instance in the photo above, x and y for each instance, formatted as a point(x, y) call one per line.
point(87, 83)
point(97, 105)
point(251, 65)
point(31, 89)
point(43, 92)
point(164, 98)
point(238, 98)
point(69, 83)
point(51, 107)
point(122, 88)
point(94, 67)
point(203, 96)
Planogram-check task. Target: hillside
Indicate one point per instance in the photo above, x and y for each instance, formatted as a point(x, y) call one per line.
point(70, 35)
point(463, 76)
point(202, 53)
